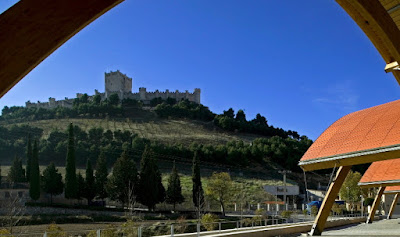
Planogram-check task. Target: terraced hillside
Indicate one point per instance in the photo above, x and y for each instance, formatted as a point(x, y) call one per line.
point(165, 131)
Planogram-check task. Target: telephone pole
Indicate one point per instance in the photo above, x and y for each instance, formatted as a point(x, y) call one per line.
point(284, 172)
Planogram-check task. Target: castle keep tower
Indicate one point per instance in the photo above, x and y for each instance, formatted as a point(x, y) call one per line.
point(120, 84)
point(116, 82)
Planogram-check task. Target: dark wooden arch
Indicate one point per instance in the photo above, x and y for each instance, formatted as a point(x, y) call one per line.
point(31, 30)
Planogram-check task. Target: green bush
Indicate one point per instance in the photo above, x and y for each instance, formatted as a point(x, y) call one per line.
point(54, 230)
point(208, 221)
point(314, 210)
point(286, 214)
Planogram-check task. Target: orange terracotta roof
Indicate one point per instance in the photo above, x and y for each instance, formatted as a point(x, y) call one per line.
point(392, 189)
point(357, 134)
point(382, 173)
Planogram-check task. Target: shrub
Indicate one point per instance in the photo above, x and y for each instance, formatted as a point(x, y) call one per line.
point(337, 209)
point(305, 212)
point(54, 230)
point(260, 215)
point(209, 221)
point(180, 226)
point(5, 232)
point(286, 214)
point(314, 210)
point(129, 229)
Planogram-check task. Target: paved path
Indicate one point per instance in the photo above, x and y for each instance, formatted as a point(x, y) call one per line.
point(377, 228)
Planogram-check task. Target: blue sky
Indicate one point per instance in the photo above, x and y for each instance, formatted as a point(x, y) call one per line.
point(302, 64)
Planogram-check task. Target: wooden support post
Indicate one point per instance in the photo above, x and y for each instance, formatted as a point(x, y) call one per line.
point(325, 209)
point(375, 205)
point(393, 206)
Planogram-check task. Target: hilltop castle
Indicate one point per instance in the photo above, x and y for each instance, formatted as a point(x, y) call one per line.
point(120, 84)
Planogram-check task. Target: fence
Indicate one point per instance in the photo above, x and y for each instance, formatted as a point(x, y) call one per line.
point(196, 229)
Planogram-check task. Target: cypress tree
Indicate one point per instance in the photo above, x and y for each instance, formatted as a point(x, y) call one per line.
point(90, 189)
point(174, 191)
point(28, 158)
point(151, 190)
point(71, 185)
point(101, 176)
point(34, 181)
point(80, 187)
point(197, 191)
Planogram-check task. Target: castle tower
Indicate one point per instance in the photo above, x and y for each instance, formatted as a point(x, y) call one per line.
point(197, 95)
point(116, 82)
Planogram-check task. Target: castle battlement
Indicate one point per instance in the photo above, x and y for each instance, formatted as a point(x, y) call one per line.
point(120, 84)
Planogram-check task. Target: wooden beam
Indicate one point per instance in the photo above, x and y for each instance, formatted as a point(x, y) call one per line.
point(31, 30)
point(375, 205)
point(325, 209)
point(393, 206)
point(378, 25)
point(350, 159)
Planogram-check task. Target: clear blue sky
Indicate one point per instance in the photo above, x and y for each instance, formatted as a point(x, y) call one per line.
point(302, 64)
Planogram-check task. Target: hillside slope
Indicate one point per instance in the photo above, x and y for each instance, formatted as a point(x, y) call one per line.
point(167, 131)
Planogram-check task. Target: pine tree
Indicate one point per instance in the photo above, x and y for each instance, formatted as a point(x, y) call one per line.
point(197, 191)
point(28, 158)
point(151, 189)
point(90, 189)
point(16, 173)
point(34, 181)
point(101, 176)
point(52, 181)
point(122, 184)
point(70, 169)
point(174, 191)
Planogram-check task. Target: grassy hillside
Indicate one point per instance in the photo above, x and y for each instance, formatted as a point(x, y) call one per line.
point(165, 131)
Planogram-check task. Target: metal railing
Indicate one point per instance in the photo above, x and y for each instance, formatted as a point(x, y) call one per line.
point(188, 229)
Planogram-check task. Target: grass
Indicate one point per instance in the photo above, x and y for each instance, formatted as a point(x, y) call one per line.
point(165, 131)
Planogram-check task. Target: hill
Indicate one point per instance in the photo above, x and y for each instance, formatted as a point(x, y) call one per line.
point(173, 131)
point(167, 131)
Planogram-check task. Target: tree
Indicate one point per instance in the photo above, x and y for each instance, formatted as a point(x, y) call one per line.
point(80, 184)
point(113, 99)
point(230, 113)
point(350, 191)
point(123, 180)
point(90, 188)
point(240, 116)
point(101, 176)
point(28, 158)
point(70, 169)
point(220, 188)
point(16, 173)
point(52, 181)
point(151, 189)
point(197, 190)
point(34, 180)
point(174, 191)
point(96, 99)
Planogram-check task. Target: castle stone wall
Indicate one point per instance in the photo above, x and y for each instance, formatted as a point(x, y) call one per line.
point(121, 84)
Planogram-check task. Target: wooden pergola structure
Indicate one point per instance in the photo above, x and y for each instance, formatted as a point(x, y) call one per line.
point(368, 135)
point(31, 30)
point(395, 190)
point(364, 136)
point(384, 175)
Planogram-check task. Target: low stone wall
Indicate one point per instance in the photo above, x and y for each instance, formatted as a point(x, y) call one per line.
point(68, 211)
